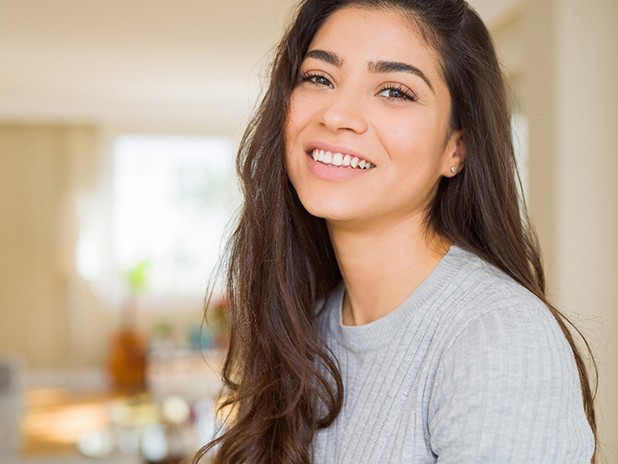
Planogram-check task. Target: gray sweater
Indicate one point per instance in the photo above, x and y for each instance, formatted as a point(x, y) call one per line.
point(471, 368)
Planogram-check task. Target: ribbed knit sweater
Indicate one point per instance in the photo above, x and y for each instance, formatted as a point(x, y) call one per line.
point(472, 368)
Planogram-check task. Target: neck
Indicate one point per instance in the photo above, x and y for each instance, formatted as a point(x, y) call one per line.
point(382, 266)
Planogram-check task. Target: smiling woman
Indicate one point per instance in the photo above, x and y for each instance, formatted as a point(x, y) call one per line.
point(386, 294)
point(356, 96)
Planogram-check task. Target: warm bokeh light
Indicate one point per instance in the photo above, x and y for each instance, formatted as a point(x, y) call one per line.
point(56, 419)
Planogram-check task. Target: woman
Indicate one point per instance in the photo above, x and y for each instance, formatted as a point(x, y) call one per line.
point(386, 294)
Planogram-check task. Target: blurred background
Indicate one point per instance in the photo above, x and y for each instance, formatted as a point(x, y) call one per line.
point(118, 124)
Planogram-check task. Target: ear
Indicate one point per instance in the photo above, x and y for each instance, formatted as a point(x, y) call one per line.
point(454, 154)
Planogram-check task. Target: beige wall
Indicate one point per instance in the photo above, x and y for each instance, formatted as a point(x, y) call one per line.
point(33, 182)
point(571, 100)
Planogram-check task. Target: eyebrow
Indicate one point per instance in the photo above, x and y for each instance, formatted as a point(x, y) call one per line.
point(396, 66)
point(373, 66)
point(329, 57)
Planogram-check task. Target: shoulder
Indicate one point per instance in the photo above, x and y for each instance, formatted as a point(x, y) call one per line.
point(492, 319)
point(506, 387)
point(482, 297)
point(498, 327)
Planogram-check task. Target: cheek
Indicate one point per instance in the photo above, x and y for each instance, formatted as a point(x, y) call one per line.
point(291, 133)
point(417, 140)
point(402, 141)
point(299, 118)
point(301, 112)
point(292, 125)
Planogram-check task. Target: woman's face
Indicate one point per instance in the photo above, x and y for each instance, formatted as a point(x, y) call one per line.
point(367, 137)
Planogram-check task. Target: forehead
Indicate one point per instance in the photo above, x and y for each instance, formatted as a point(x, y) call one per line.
point(377, 33)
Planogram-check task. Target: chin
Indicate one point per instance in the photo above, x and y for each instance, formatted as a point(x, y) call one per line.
point(324, 208)
point(330, 210)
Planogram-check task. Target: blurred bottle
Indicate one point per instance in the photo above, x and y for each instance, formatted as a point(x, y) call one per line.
point(129, 349)
point(127, 360)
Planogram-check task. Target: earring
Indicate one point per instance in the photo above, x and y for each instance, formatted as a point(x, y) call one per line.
point(454, 169)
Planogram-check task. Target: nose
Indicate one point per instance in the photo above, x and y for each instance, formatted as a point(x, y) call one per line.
point(344, 111)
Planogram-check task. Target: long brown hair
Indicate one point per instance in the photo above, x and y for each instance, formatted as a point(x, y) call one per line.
point(281, 382)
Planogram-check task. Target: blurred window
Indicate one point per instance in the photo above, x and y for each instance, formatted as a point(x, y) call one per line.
point(172, 200)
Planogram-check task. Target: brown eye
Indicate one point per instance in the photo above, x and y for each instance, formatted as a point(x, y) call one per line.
point(316, 79)
point(397, 92)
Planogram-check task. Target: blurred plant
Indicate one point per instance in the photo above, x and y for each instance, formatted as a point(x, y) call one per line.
point(137, 276)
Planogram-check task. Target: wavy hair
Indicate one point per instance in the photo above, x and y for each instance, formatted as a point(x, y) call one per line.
point(281, 382)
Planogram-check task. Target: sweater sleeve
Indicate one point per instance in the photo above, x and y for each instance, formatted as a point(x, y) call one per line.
point(507, 391)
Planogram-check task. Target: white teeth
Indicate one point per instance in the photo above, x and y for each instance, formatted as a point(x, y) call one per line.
point(340, 159)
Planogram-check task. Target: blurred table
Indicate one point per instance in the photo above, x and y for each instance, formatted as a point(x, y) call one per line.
point(58, 417)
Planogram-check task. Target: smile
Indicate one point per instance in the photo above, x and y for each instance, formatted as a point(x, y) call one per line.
point(340, 159)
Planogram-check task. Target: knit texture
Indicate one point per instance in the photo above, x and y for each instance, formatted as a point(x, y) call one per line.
point(471, 368)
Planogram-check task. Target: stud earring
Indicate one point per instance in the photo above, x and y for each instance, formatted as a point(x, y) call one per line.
point(454, 169)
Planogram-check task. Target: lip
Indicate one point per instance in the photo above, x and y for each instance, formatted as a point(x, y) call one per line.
point(321, 145)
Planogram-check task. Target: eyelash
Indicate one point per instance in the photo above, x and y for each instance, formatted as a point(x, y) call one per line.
point(312, 77)
point(405, 94)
